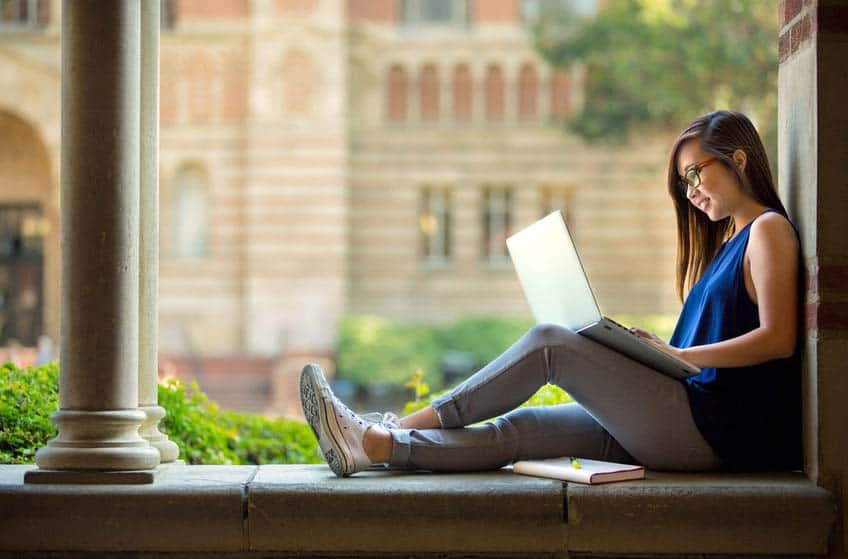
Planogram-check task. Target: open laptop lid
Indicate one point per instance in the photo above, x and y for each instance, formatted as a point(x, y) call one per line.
point(551, 274)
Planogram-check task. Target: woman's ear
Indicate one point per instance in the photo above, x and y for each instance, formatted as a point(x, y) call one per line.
point(740, 158)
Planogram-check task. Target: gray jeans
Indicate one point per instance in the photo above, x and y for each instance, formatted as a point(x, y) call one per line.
point(623, 412)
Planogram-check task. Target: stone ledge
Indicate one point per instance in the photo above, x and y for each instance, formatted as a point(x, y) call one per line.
point(308, 509)
point(778, 513)
point(189, 508)
point(305, 511)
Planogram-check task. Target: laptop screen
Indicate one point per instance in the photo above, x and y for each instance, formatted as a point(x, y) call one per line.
point(551, 275)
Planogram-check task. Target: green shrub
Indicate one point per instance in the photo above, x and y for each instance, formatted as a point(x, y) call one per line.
point(483, 337)
point(204, 433)
point(374, 350)
point(548, 395)
point(27, 398)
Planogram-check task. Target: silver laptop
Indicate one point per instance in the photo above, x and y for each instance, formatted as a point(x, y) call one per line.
point(558, 291)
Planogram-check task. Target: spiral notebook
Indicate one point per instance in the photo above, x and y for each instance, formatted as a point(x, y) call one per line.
point(587, 471)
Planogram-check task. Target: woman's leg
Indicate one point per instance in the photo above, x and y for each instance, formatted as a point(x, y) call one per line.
point(524, 433)
point(499, 387)
point(645, 411)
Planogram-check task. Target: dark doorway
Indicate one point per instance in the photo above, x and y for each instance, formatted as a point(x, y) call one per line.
point(21, 273)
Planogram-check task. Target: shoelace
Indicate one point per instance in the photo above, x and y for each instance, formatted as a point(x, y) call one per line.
point(389, 420)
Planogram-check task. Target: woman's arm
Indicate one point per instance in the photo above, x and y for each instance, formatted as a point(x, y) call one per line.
point(773, 256)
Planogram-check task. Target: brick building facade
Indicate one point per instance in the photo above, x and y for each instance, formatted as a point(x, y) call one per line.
point(323, 157)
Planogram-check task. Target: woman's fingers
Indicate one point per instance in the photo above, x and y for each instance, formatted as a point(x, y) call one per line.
point(642, 333)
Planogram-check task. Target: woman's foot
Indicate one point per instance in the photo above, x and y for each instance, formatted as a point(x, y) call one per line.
point(387, 420)
point(339, 431)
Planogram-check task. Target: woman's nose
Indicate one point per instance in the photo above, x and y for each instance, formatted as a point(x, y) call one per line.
point(691, 192)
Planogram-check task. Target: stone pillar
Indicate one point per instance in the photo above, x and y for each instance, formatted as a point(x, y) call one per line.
point(813, 141)
point(148, 374)
point(98, 388)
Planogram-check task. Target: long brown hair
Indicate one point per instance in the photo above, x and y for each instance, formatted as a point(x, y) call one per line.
point(720, 133)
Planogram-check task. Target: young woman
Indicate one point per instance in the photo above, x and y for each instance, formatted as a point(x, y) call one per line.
point(738, 265)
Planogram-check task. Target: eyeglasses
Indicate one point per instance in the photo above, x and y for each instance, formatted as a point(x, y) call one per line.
point(692, 177)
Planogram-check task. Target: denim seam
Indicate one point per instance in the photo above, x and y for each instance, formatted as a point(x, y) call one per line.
point(437, 408)
point(488, 380)
point(464, 446)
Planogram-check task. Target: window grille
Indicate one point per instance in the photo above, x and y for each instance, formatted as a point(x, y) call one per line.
point(497, 224)
point(557, 198)
point(24, 15)
point(434, 223)
point(167, 14)
point(185, 215)
point(534, 10)
point(22, 231)
point(415, 13)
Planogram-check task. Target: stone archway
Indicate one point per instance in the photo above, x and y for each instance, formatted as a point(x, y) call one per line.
point(29, 234)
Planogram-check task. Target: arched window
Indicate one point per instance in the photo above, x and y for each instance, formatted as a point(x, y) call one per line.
point(298, 76)
point(528, 93)
point(396, 89)
point(560, 95)
point(434, 13)
point(200, 77)
point(435, 224)
point(167, 14)
point(497, 222)
point(495, 94)
point(428, 87)
point(185, 216)
point(463, 89)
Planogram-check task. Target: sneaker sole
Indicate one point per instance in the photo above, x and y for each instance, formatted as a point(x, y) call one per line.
point(337, 455)
point(318, 417)
point(309, 377)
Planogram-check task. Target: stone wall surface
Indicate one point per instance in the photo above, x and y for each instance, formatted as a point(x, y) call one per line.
point(813, 143)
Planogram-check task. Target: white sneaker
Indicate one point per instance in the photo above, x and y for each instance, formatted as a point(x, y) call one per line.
point(339, 431)
point(387, 420)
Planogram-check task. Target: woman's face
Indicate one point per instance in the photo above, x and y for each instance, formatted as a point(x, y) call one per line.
point(718, 193)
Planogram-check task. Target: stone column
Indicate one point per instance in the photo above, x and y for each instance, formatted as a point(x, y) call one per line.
point(148, 374)
point(98, 388)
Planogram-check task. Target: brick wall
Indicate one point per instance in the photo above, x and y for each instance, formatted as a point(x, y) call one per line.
point(495, 11)
point(314, 196)
point(377, 11)
point(621, 212)
point(219, 9)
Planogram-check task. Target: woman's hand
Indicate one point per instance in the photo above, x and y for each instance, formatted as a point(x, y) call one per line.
point(658, 342)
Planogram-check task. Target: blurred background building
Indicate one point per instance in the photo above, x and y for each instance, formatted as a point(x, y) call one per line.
point(329, 157)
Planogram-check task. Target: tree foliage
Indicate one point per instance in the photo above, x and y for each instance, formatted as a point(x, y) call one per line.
point(657, 64)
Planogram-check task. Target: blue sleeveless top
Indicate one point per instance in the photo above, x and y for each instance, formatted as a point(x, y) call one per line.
point(750, 416)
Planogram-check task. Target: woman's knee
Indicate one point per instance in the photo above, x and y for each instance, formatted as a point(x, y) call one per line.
point(549, 334)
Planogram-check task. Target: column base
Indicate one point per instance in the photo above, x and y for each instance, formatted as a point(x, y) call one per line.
point(82, 477)
point(97, 440)
point(168, 450)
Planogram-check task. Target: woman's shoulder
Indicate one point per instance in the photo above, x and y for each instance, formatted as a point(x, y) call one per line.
point(773, 230)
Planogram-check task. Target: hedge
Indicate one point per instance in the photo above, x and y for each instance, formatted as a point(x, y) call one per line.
point(204, 433)
point(375, 350)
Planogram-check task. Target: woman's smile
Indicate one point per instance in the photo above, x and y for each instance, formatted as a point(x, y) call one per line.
point(701, 202)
